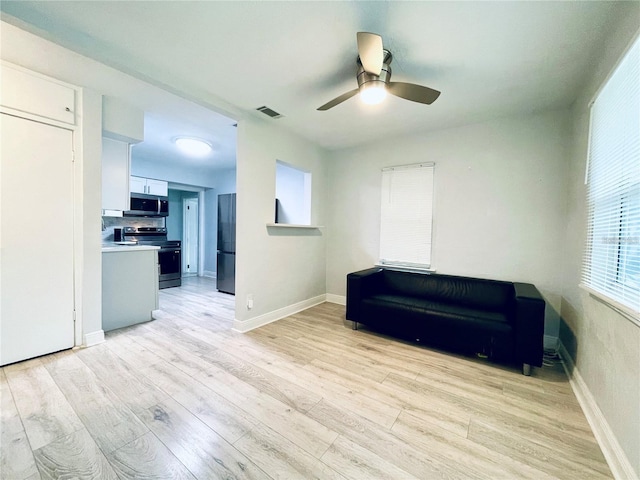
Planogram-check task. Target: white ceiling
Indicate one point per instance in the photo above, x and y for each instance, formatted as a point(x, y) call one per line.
point(489, 59)
point(161, 129)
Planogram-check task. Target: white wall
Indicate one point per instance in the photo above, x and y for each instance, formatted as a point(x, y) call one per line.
point(225, 181)
point(499, 202)
point(210, 232)
point(174, 222)
point(278, 267)
point(90, 204)
point(604, 345)
point(197, 177)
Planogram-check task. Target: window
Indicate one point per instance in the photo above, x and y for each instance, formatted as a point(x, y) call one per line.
point(293, 195)
point(406, 216)
point(611, 265)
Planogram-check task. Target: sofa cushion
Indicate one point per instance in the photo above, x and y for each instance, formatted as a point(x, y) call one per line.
point(463, 291)
point(443, 311)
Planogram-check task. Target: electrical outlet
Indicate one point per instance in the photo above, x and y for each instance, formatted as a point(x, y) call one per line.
point(249, 301)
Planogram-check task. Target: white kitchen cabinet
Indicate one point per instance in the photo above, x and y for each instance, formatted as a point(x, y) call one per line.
point(149, 186)
point(115, 175)
point(129, 285)
point(29, 93)
point(138, 185)
point(157, 187)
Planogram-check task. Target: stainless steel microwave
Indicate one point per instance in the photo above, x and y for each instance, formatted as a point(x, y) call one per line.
point(142, 205)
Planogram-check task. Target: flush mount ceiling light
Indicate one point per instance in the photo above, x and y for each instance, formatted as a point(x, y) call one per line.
point(193, 146)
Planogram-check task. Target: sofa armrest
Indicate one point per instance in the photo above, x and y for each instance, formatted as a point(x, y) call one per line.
point(529, 324)
point(359, 285)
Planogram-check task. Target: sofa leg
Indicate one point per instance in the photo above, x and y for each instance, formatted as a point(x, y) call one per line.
point(526, 369)
point(355, 325)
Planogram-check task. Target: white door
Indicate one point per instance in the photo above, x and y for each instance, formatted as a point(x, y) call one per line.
point(190, 236)
point(36, 239)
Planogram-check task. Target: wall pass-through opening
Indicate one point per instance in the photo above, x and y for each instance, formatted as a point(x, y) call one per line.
point(293, 195)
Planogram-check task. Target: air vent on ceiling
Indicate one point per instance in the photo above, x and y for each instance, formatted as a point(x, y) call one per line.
point(269, 112)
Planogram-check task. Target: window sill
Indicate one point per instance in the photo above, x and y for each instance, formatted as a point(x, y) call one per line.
point(401, 268)
point(291, 225)
point(620, 309)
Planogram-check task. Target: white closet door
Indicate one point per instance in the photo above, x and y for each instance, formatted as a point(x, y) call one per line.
point(36, 239)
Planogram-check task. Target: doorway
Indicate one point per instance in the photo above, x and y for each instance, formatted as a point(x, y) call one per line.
point(190, 236)
point(185, 223)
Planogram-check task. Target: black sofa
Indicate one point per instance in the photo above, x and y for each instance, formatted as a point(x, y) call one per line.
point(501, 320)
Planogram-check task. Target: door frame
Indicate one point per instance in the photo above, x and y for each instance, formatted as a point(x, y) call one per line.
point(87, 104)
point(201, 218)
point(185, 229)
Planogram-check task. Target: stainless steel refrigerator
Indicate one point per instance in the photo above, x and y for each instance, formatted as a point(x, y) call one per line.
point(226, 264)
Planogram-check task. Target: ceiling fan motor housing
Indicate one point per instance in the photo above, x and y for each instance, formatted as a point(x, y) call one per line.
point(369, 80)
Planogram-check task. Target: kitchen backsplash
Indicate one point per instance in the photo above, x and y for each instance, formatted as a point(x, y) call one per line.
point(109, 223)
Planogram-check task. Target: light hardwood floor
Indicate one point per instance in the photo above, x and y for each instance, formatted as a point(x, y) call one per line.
point(305, 397)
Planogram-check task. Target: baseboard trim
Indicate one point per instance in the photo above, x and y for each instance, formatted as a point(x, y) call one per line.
point(94, 338)
point(339, 299)
point(209, 273)
point(613, 452)
point(264, 319)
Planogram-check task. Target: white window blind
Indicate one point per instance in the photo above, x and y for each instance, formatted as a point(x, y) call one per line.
point(612, 256)
point(406, 215)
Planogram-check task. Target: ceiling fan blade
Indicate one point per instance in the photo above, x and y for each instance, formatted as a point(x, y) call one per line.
point(415, 93)
point(370, 52)
point(338, 100)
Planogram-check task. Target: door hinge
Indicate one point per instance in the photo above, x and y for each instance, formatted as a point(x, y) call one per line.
point(74, 316)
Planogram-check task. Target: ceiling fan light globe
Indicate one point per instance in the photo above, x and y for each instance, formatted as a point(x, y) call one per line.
point(373, 95)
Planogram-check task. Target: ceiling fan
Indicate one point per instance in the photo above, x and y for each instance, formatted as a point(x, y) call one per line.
point(374, 77)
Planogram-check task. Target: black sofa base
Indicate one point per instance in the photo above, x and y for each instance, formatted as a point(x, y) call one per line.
point(526, 367)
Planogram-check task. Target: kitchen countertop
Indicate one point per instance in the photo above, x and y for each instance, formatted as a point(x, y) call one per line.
point(114, 247)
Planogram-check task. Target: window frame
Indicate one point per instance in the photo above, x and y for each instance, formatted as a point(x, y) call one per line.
point(407, 265)
point(613, 193)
